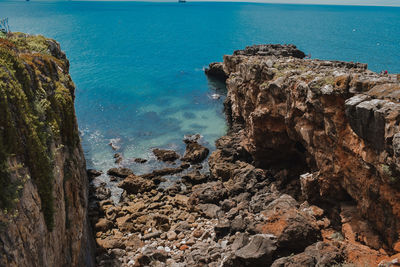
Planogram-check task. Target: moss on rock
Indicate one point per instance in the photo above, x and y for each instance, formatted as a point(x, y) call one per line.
point(36, 103)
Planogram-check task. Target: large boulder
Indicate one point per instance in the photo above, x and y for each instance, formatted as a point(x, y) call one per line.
point(165, 155)
point(195, 153)
point(136, 184)
point(294, 229)
point(319, 254)
point(120, 172)
point(259, 252)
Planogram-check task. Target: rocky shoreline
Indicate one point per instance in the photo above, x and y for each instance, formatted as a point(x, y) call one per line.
point(306, 176)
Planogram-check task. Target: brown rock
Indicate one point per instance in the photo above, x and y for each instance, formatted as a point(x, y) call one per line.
point(103, 225)
point(120, 172)
point(295, 230)
point(302, 107)
point(151, 235)
point(259, 252)
point(136, 184)
point(171, 235)
point(165, 155)
point(197, 233)
point(140, 160)
point(110, 242)
point(195, 153)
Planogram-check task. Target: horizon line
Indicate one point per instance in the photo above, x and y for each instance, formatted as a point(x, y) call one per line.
point(220, 1)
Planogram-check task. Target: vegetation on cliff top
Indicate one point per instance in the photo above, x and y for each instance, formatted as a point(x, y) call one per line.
point(36, 103)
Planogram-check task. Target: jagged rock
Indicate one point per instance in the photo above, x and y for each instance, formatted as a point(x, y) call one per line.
point(136, 184)
point(111, 242)
point(294, 229)
point(367, 118)
point(195, 178)
point(162, 172)
point(151, 235)
point(238, 224)
point(195, 153)
point(210, 210)
point(216, 70)
point(222, 228)
point(396, 144)
point(318, 254)
point(103, 225)
point(243, 178)
point(119, 172)
point(211, 192)
point(140, 160)
point(276, 50)
point(310, 187)
point(259, 252)
point(118, 158)
point(241, 240)
point(337, 118)
point(155, 254)
point(102, 192)
point(220, 168)
point(93, 173)
point(166, 155)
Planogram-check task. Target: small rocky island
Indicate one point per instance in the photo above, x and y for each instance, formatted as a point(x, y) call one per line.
point(307, 175)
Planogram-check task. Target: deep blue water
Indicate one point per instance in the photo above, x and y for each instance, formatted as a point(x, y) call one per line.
point(138, 67)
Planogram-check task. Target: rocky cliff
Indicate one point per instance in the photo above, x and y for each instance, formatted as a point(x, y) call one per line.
point(306, 176)
point(43, 181)
point(332, 128)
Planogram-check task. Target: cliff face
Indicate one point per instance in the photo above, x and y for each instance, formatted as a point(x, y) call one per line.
point(334, 126)
point(43, 182)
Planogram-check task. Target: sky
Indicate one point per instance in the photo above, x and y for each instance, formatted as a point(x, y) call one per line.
point(320, 2)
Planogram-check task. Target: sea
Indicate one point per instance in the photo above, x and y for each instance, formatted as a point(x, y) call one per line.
point(139, 66)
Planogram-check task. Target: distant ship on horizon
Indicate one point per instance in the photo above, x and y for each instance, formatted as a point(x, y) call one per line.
point(181, 1)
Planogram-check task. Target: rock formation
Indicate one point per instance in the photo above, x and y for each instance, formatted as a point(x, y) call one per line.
point(307, 175)
point(43, 180)
point(336, 121)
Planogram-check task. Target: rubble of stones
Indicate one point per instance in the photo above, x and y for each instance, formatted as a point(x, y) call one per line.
point(233, 215)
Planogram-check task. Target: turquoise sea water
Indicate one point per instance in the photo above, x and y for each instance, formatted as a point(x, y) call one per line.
point(138, 67)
